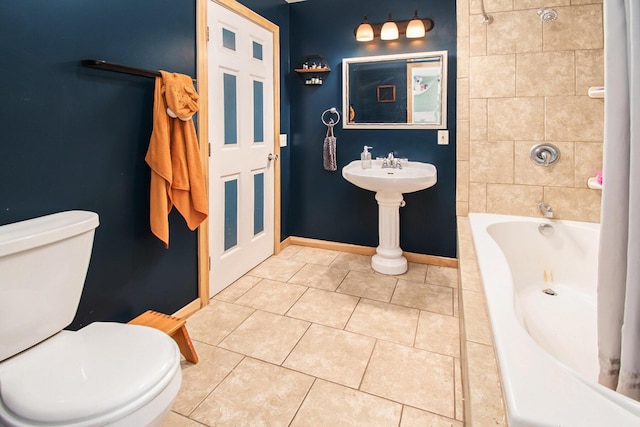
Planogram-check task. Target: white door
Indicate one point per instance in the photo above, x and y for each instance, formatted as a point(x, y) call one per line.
point(241, 132)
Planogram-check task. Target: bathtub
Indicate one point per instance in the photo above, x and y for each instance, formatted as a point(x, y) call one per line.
point(541, 298)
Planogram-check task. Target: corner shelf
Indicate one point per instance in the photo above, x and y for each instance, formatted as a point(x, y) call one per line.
point(314, 67)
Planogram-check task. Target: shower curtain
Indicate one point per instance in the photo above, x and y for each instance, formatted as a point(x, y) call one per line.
point(619, 252)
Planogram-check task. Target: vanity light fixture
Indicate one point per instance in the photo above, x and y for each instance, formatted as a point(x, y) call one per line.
point(364, 33)
point(415, 27)
point(391, 30)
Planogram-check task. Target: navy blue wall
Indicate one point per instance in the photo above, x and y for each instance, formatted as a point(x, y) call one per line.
point(324, 205)
point(75, 138)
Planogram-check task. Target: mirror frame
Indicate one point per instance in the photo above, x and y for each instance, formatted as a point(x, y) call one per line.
point(443, 54)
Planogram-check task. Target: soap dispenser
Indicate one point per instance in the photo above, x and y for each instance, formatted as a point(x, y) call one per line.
point(365, 158)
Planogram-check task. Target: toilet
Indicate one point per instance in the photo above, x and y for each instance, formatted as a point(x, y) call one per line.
point(103, 374)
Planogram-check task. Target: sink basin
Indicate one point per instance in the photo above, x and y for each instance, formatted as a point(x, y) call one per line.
point(389, 185)
point(413, 176)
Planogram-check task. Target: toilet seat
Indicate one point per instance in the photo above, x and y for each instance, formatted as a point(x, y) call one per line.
point(96, 375)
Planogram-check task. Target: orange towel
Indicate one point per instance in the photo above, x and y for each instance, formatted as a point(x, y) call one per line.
point(177, 178)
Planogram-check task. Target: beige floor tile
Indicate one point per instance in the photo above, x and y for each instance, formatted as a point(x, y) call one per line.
point(266, 336)
point(332, 354)
point(384, 321)
point(319, 276)
point(323, 307)
point(315, 256)
point(215, 321)
point(368, 285)
point(198, 380)
point(438, 299)
point(442, 276)
point(273, 296)
point(237, 289)
point(176, 420)
point(330, 405)
point(255, 394)
point(289, 251)
point(438, 333)
point(411, 376)
point(415, 273)
point(353, 262)
point(276, 268)
point(412, 417)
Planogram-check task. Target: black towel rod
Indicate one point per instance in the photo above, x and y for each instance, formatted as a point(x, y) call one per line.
point(118, 68)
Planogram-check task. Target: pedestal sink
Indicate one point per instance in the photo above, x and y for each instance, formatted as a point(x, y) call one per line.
point(390, 184)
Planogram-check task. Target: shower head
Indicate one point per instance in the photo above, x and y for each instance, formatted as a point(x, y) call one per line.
point(547, 15)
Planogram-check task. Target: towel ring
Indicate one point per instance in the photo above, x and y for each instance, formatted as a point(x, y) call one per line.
point(331, 110)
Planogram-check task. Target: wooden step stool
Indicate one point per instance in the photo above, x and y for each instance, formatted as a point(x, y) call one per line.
point(172, 326)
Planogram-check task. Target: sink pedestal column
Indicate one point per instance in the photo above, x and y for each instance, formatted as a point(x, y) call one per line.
point(388, 258)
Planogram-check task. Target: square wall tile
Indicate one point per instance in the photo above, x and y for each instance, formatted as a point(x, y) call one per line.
point(411, 376)
point(516, 119)
point(578, 204)
point(463, 56)
point(490, 6)
point(462, 17)
point(577, 27)
point(462, 99)
point(589, 70)
point(462, 140)
point(492, 76)
point(514, 199)
point(491, 162)
point(334, 355)
point(545, 74)
point(574, 118)
point(560, 174)
point(462, 181)
point(534, 4)
point(477, 197)
point(588, 162)
point(478, 120)
point(477, 36)
point(462, 208)
point(514, 32)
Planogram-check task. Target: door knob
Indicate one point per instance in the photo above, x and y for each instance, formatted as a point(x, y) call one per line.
point(272, 156)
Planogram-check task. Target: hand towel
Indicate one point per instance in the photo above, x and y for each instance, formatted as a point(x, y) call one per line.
point(329, 149)
point(177, 177)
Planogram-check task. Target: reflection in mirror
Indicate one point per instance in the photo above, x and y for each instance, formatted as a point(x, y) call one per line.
point(405, 91)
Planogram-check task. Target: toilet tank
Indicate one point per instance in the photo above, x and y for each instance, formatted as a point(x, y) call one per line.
point(43, 265)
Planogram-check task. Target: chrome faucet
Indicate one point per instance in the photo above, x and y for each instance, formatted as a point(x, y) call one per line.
point(547, 211)
point(391, 162)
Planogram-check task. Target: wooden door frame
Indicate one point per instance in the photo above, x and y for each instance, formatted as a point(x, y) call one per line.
point(203, 127)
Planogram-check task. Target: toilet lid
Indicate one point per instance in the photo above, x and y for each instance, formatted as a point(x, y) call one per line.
point(88, 373)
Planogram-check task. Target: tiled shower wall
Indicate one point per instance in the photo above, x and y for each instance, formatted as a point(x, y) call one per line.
point(522, 82)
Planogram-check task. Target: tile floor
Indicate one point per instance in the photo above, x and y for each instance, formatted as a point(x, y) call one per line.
point(314, 337)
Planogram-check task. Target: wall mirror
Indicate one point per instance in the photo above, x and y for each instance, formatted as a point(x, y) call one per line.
point(404, 91)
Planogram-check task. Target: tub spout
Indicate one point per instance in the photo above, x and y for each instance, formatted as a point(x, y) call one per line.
point(546, 210)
